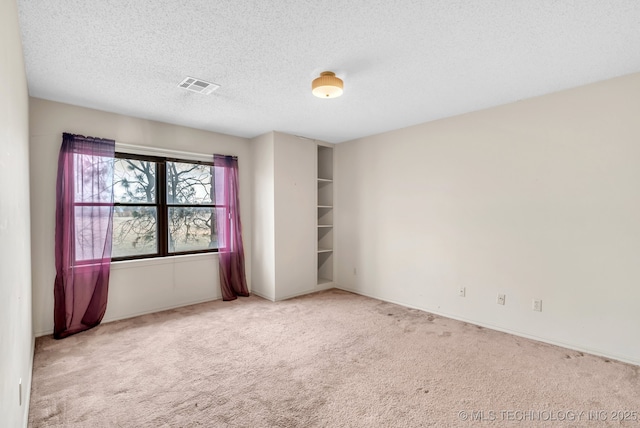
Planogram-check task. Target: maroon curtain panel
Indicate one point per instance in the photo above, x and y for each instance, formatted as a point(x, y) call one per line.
point(84, 214)
point(233, 282)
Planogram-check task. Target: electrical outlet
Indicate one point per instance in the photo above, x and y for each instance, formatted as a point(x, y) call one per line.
point(537, 305)
point(501, 299)
point(461, 292)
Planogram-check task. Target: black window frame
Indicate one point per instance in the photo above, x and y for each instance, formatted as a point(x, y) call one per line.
point(162, 207)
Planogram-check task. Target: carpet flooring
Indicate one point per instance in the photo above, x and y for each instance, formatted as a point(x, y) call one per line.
point(330, 359)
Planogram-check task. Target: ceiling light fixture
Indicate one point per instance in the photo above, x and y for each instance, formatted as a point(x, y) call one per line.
point(327, 85)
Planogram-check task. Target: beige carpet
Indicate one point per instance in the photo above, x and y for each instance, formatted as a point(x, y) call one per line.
point(331, 359)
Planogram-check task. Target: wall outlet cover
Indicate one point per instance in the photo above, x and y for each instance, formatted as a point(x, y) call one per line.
point(501, 299)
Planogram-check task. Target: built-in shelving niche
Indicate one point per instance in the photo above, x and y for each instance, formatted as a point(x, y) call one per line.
point(325, 215)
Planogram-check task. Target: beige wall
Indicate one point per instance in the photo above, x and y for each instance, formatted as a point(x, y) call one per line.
point(295, 215)
point(284, 213)
point(537, 200)
point(263, 264)
point(135, 287)
point(16, 333)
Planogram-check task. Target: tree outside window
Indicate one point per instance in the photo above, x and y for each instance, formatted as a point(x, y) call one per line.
point(162, 207)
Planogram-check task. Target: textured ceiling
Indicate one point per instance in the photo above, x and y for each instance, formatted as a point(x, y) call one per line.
point(403, 62)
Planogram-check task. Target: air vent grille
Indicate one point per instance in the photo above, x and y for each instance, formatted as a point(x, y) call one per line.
point(198, 85)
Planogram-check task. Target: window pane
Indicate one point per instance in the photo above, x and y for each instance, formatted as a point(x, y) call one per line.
point(134, 181)
point(135, 231)
point(91, 226)
point(191, 229)
point(188, 183)
point(93, 178)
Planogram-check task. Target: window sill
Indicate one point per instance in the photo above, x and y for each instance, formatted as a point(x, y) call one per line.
point(184, 258)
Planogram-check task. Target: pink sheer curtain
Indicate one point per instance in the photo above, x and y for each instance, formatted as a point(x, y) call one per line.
point(233, 282)
point(84, 213)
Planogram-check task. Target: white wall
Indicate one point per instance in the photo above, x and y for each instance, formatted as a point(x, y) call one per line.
point(135, 287)
point(263, 265)
point(538, 200)
point(284, 215)
point(16, 333)
point(295, 215)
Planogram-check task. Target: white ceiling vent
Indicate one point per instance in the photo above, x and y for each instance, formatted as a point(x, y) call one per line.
point(198, 85)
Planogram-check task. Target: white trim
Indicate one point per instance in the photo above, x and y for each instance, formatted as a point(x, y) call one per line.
point(161, 309)
point(301, 293)
point(26, 385)
point(136, 149)
point(150, 311)
point(47, 332)
point(261, 295)
point(154, 261)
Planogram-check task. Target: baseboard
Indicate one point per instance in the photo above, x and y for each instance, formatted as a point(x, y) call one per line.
point(27, 384)
point(161, 309)
point(264, 296)
point(43, 333)
point(326, 286)
point(291, 296)
point(596, 352)
point(137, 314)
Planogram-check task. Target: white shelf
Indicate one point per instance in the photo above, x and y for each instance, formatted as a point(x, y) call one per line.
point(325, 193)
point(325, 225)
point(325, 206)
point(325, 180)
point(325, 250)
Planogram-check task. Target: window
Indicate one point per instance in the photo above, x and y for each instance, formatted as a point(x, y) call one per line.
point(91, 201)
point(162, 207)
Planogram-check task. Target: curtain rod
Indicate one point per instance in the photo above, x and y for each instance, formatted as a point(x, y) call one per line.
point(159, 150)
